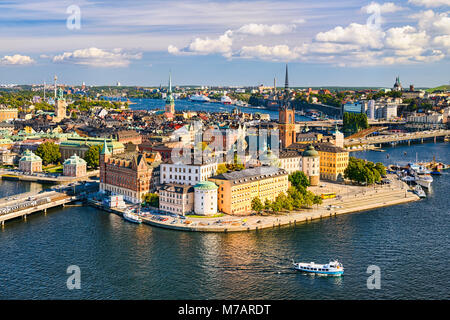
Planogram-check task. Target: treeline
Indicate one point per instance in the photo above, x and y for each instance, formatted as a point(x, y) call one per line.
point(355, 122)
point(363, 171)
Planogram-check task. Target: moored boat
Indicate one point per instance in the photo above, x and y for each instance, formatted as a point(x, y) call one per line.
point(419, 191)
point(424, 180)
point(333, 268)
point(132, 217)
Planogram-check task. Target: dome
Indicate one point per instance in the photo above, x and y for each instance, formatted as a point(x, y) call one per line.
point(75, 160)
point(29, 156)
point(310, 152)
point(206, 185)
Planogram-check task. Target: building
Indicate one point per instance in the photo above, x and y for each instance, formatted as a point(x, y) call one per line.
point(7, 114)
point(8, 158)
point(397, 85)
point(60, 107)
point(29, 162)
point(291, 161)
point(237, 189)
point(286, 118)
point(205, 198)
point(170, 101)
point(187, 174)
point(176, 199)
point(389, 112)
point(127, 174)
point(311, 165)
point(333, 161)
point(74, 167)
point(127, 136)
point(80, 145)
point(308, 138)
point(353, 107)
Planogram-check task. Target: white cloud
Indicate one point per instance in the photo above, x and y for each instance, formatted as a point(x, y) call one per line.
point(407, 39)
point(375, 7)
point(264, 29)
point(433, 22)
point(16, 59)
point(355, 33)
point(274, 53)
point(202, 46)
point(430, 3)
point(98, 57)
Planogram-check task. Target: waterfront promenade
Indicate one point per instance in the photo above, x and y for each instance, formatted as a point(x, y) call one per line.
point(45, 178)
point(351, 199)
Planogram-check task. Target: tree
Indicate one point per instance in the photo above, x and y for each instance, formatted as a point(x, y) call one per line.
point(92, 156)
point(380, 168)
point(267, 205)
point(257, 205)
point(151, 199)
point(221, 168)
point(49, 153)
point(363, 171)
point(299, 180)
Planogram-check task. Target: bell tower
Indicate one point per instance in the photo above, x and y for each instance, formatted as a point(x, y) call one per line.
point(286, 117)
point(60, 106)
point(170, 101)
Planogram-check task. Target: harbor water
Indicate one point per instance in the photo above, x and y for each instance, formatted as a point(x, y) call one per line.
point(120, 260)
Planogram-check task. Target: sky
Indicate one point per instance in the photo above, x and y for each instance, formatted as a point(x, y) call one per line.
point(240, 43)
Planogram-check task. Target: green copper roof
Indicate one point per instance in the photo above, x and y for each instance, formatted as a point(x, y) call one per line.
point(105, 149)
point(28, 155)
point(206, 185)
point(310, 152)
point(75, 160)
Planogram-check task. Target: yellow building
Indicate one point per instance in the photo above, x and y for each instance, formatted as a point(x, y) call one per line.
point(333, 161)
point(237, 189)
point(8, 114)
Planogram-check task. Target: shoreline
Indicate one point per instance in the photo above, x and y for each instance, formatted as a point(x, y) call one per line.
point(357, 199)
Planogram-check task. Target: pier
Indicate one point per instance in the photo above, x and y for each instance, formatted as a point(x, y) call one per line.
point(22, 205)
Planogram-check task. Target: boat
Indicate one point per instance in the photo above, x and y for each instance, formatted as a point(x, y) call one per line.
point(408, 179)
point(225, 99)
point(333, 268)
point(436, 172)
point(199, 98)
point(424, 181)
point(132, 217)
point(419, 191)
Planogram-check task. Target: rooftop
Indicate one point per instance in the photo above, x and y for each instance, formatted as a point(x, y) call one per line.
point(253, 174)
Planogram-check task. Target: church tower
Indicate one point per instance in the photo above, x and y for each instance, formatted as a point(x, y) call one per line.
point(286, 117)
point(170, 101)
point(60, 106)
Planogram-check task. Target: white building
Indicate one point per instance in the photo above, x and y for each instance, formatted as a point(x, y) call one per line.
point(176, 198)
point(205, 198)
point(291, 161)
point(187, 174)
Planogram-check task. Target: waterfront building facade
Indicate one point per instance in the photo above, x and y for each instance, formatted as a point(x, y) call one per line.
point(205, 198)
point(176, 198)
point(333, 161)
point(291, 161)
point(188, 174)
point(126, 174)
point(237, 189)
point(311, 165)
point(74, 167)
point(30, 163)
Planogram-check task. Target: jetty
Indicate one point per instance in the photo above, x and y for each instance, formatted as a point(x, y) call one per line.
point(22, 205)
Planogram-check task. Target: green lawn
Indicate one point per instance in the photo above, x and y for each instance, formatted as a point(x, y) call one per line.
point(55, 169)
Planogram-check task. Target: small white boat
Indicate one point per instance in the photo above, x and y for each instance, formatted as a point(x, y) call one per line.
point(132, 217)
point(408, 179)
point(424, 180)
point(333, 268)
point(419, 191)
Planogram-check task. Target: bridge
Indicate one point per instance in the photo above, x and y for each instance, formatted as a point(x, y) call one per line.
point(25, 204)
point(366, 132)
point(400, 137)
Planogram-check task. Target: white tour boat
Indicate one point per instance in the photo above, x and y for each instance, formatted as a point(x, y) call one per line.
point(333, 268)
point(424, 180)
point(132, 217)
point(199, 98)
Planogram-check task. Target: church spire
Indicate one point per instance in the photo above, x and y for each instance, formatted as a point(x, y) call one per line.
point(170, 82)
point(286, 80)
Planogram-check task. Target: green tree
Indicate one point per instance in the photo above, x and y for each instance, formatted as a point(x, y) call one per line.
point(92, 156)
point(267, 205)
point(299, 180)
point(221, 168)
point(257, 205)
point(151, 199)
point(49, 153)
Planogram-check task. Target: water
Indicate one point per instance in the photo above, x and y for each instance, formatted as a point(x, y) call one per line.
point(120, 260)
point(185, 105)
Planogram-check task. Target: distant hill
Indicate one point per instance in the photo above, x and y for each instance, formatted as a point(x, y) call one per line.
point(441, 88)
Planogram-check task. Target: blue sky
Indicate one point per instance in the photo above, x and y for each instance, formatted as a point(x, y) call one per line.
point(326, 43)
